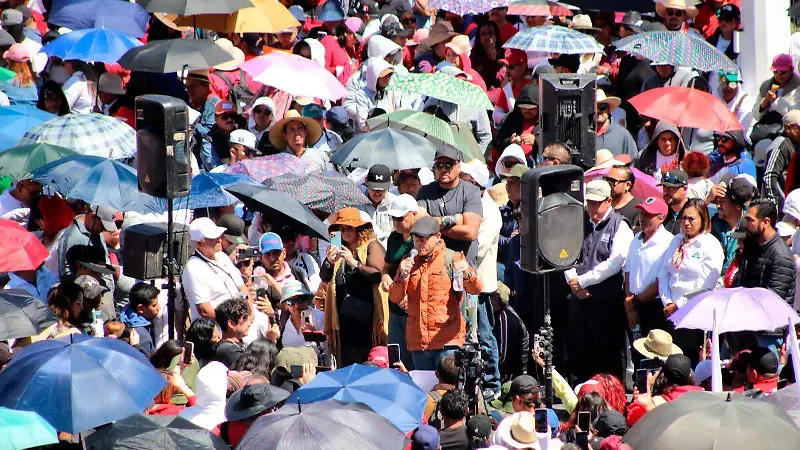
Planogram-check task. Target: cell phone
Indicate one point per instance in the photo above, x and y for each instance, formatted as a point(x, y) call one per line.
point(582, 440)
point(336, 239)
point(188, 351)
point(584, 420)
point(247, 253)
point(305, 317)
point(296, 371)
point(394, 354)
point(641, 380)
point(261, 292)
point(541, 420)
point(782, 383)
point(650, 364)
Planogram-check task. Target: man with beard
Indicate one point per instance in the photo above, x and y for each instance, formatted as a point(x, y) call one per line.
point(730, 157)
point(675, 13)
point(610, 134)
point(621, 179)
point(732, 203)
point(674, 186)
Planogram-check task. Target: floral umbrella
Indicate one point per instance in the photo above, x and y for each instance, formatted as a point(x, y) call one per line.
point(443, 87)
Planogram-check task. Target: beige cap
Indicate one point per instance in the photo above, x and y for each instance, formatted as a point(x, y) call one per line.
point(597, 190)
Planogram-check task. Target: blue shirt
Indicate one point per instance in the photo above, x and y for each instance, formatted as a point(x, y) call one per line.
point(20, 95)
point(44, 281)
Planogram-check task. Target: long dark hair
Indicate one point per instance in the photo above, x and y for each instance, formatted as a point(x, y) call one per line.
point(665, 382)
point(478, 52)
point(51, 87)
point(163, 356)
point(200, 333)
point(258, 358)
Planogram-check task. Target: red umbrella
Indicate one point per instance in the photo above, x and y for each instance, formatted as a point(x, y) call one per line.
point(21, 250)
point(686, 107)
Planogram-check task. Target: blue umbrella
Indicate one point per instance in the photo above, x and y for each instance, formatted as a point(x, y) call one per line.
point(388, 392)
point(17, 120)
point(79, 382)
point(119, 15)
point(91, 44)
point(207, 189)
point(95, 180)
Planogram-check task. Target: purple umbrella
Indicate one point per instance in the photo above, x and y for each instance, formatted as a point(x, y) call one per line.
point(737, 309)
point(271, 166)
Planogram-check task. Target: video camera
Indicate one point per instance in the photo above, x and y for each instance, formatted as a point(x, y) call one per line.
point(471, 365)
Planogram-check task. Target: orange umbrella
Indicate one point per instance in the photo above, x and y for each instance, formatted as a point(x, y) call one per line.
point(267, 16)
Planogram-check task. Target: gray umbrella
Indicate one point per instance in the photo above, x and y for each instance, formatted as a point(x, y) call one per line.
point(395, 149)
point(175, 55)
point(22, 315)
point(704, 420)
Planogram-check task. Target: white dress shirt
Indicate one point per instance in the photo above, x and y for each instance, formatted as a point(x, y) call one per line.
point(207, 281)
point(645, 259)
point(488, 240)
point(620, 243)
point(698, 269)
point(293, 338)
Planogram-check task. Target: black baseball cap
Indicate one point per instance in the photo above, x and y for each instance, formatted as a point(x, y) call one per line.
point(730, 10)
point(234, 228)
point(610, 423)
point(674, 178)
point(91, 257)
point(448, 151)
point(762, 360)
point(740, 191)
point(368, 7)
point(677, 367)
point(425, 227)
point(379, 178)
point(524, 384)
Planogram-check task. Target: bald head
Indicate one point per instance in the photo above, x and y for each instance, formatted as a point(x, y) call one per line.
point(555, 154)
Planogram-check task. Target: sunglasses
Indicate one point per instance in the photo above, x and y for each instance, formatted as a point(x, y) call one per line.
point(602, 107)
point(398, 219)
point(782, 72)
point(444, 165)
point(228, 116)
point(292, 301)
point(613, 181)
point(675, 12)
point(408, 21)
point(721, 138)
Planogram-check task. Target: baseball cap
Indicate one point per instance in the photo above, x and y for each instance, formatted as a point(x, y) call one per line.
point(425, 227)
point(516, 57)
point(448, 151)
point(294, 288)
point(654, 206)
point(730, 10)
point(379, 178)
point(107, 216)
point(731, 77)
point(234, 228)
point(204, 228)
point(90, 286)
point(479, 425)
point(677, 366)
point(610, 423)
point(402, 205)
point(425, 438)
point(762, 360)
point(674, 178)
point(225, 106)
point(782, 63)
point(11, 17)
point(597, 190)
point(368, 7)
point(270, 242)
point(313, 111)
point(379, 356)
point(478, 171)
point(502, 292)
point(740, 191)
point(243, 137)
point(524, 384)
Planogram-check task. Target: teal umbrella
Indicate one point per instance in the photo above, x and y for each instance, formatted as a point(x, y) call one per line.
point(24, 429)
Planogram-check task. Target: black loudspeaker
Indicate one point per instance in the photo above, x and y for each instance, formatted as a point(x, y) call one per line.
point(145, 249)
point(552, 218)
point(162, 159)
point(566, 102)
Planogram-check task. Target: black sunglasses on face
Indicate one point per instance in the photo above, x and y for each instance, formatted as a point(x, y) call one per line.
point(228, 116)
point(613, 181)
point(675, 12)
point(602, 107)
point(508, 164)
point(721, 138)
point(444, 165)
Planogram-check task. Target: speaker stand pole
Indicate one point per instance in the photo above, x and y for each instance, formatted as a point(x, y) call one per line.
point(546, 333)
point(170, 272)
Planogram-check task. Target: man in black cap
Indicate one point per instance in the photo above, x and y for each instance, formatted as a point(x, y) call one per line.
point(730, 158)
point(378, 182)
point(674, 186)
point(246, 405)
point(86, 229)
point(29, 25)
point(610, 423)
point(234, 236)
point(731, 206)
point(566, 63)
point(526, 394)
point(760, 367)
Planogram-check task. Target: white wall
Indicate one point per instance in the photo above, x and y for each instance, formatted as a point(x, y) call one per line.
point(766, 33)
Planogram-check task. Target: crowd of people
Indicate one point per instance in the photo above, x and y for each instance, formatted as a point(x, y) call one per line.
point(431, 261)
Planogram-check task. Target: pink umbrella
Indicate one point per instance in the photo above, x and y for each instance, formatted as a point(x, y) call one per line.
point(296, 75)
point(270, 166)
point(644, 186)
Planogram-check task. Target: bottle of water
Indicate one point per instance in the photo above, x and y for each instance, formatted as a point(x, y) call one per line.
point(458, 281)
point(97, 324)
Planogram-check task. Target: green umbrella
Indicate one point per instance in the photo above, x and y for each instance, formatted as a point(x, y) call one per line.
point(443, 87)
point(6, 75)
point(24, 429)
point(19, 162)
point(466, 141)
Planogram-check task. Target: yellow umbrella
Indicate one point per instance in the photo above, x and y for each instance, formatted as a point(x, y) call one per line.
point(267, 16)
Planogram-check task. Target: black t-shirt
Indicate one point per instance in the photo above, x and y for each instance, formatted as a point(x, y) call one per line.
point(630, 213)
point(397, 248)
point(228, 352)
point(454, 438)
point(464, 198)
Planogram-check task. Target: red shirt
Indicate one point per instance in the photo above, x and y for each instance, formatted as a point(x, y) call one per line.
point(706, 21)
point(506, 31)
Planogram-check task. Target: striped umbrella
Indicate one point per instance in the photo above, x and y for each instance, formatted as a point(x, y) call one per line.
point(88, 134)
point(678, 49)
point(553, 39)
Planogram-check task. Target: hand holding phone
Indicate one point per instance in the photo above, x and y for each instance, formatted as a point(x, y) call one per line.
point(584, 420)
point(541, 420)
point(336, 239)
point(642, 382)
point(188, 352)
point(394, 354)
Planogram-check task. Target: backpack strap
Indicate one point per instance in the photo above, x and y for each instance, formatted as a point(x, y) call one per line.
point(226, 80)
point(448, 261)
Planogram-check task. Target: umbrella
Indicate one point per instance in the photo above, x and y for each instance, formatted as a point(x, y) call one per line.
point(464, 7)
point(737, 309)
point(644, 185)
point(17, 120)
point(87, 134)
point(279, 209)
point(175, 55)
point(686, 107)
point(443, 87)
point(21, 250)
point(393, 148)
point(713, 421)
point(5, 74)
point(118, 15)
point(207, 189)
point(24, 429)
point(678, 49)
point(264, 167)
point(95, 180)
point(538, 8)
point(154, 432)
point(328, 425)
point(794, 11)
point(91, 44)
point(327, 192)
point(19, 162)
point(22, 315)
point(191, 7)
point(267, 16)
point(79, 382)
point(430, 127)
point(788, 398)
point(388, 392)
point(553, 39)
point(296, 75)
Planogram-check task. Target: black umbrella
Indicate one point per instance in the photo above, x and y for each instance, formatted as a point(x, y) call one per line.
point(192, 7)
point(22, 315)
point(279, 208)
point(175, 55)
point(327, 192)
point(395, 149)
point(328, 425)
point(154, 432)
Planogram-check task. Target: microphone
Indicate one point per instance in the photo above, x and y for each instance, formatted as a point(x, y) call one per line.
point(412, 254)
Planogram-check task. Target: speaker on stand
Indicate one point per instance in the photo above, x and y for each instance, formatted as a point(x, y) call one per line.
point(567, 105)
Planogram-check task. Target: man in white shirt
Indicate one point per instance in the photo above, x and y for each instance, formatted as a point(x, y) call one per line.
point(15, 203)
point(209, 277)
point(641, 267)
point(379, 180)
point(600, 323)
point(301, 261)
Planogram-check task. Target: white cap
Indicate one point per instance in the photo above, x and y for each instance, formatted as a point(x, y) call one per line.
point(785, 229)
point(478, 171)
point(512, 151)
point(243, 137)
point(791, 206)
point(402, 205)
point(597, 190)
point(204, 228)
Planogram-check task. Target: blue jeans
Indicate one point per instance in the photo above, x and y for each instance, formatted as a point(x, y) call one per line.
point(428, 359)
point(487, 341)
point(397, 335)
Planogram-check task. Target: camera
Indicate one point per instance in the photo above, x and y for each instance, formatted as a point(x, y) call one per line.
point(247, 253)
point(471, 365)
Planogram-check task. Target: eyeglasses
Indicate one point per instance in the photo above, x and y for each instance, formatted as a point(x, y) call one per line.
point(602, 107)
point(292, 301)
point(782, 72)
point(262, 111)
point(444, 165)
point(613, 181)
point(228, 116)
point(675, 12)
point(722, 138)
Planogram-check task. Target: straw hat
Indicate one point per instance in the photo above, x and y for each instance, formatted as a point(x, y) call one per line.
point(519, 431)
point(604, 159)
point(657, 344)
point(313, 130)
point(582, 22)
point(663, 5)
point(236, 53)
point(612, 102)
